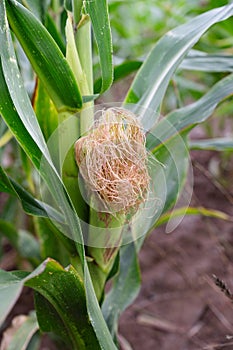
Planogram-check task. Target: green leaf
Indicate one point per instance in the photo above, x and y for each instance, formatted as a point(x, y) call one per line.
point(51, 27)
point(10, 210)
point(30, 204)
point(125, 288)
point(34, 207)
point(5, 138)
point(49, 320)
point(35, 342)
point(195, 60)
point(37, 7)
point(8, 230)
point(68, 5)
point(174, 155)
point(11, 285)
point(77, 10)
point(22, 241)
point(90, 98)
point(17, 125)
point(3, 128)
point(201, 61)
point(151, 82)
point(25, 68)
point(98, 12)
point(11, 85)
point(59, 287)
point(28, 169)
point(28, 246)
point(96, 315)
point(52, 241)
point(73, 57)
point(45, 110)
point(22, 125)
point(5, 183)
point(220, 144)
point(24, 333)
point(121, 71)
point(181, 212)
point(189, 116)
point(45, 57)
point(10, 289)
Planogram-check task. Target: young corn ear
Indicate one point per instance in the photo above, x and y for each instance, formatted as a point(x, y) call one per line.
point(112, 160)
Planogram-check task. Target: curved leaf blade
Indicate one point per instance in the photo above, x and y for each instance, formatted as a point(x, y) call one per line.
point(195, 61)
point(45, 57)
point(151, 82)
point(24, 333)
point(44, 108)
point(120, 71)
point(11, 285)
point(59, 286)
point(37, 7)
point(8, 111)
point(31, 205)
point(5, 138)
point(24, 242)
point(220, 144)
point(52, 29)
point(181, 212)
point(5, 184)
point(175, 157)
point(200, 61)
point(189, 116)
point(126, 286)
point(10, 289)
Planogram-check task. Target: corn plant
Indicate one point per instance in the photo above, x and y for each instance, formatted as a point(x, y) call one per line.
point(94, 180)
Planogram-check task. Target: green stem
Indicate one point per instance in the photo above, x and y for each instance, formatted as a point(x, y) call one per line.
point(105, 236)
point(84, 47)
point(79, 56)
point(77, 126)
point(70, 130)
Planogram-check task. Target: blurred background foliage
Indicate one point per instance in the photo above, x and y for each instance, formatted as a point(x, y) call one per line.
point(136, 27)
